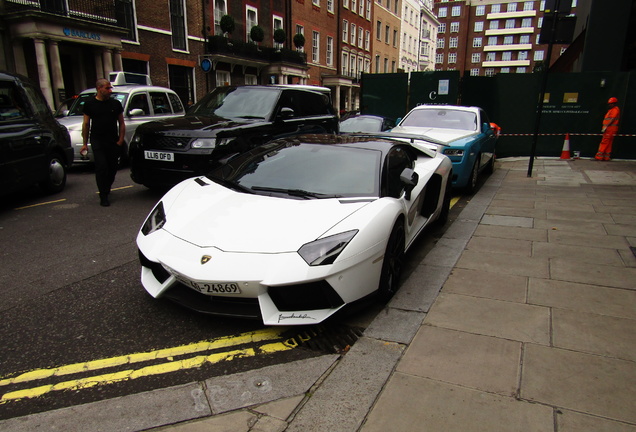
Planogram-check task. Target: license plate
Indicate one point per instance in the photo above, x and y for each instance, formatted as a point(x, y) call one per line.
point(211, 288)
point(160, 156)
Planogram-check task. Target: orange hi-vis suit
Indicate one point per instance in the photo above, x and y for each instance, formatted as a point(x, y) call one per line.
point(610, 129)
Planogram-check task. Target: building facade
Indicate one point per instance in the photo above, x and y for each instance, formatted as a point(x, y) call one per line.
point(410, 36)
point(428, 36)
point(486, 37)
point(387, 17)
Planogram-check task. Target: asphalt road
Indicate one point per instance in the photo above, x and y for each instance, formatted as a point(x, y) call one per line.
point(77, 326)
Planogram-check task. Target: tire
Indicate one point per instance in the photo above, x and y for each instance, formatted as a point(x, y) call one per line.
point(393, 263)
point(56, 175)
point(474, 174)
point(443, 216)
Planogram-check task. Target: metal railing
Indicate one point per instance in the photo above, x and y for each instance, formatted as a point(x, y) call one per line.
point(102, 11)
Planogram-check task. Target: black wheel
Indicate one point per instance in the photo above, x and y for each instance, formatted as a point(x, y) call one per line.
point(490, 168)
point(443, 216)
point(474, 174)
point(56, 175)
point(392, 264)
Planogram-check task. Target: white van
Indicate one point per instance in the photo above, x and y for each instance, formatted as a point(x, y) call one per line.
point(142, 103)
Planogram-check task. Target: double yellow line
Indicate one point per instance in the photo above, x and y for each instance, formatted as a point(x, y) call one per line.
point(167, 354)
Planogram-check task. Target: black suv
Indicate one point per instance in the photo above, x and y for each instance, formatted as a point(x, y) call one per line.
point(228, 121)
point(34, 147)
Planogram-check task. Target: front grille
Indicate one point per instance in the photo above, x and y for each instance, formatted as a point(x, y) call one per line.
point(308, 296)
point(161, 142)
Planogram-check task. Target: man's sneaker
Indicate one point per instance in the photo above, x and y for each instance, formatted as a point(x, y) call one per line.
point(103, 201)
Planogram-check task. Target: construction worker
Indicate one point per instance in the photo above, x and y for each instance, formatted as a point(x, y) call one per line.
point(610, 128)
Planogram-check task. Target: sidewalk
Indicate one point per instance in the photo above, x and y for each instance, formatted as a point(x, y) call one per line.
point(522, 318)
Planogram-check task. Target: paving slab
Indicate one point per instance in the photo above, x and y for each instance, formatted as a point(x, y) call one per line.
point(469, 360)
point(280, 409)
point(517, 212)
point(587, 239)
point(582, 297)
point(514, 321)
point(419, 291)
point(513, 221)
point(570, 421)
point(596, 334)
point(239, 421)
point(395, 325)
point(581, 255)
point(512, 232)
point(522, 248)
point(621, 230)
point(610, 276)
point(489, 285)
point(570, 215)
point(503, 263)
point(411, 403)
point(569, 225)
point(585, 383)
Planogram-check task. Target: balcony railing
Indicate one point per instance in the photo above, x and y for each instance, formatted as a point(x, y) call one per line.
point(223, 45)
point(101, 11)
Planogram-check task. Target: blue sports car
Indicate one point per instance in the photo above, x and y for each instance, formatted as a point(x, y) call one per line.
point(468, 132)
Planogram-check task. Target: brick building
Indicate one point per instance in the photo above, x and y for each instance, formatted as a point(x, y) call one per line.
point(386, 40)
point(486, 37)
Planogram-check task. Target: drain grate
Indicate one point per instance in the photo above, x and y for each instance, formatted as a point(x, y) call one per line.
point(333, 339)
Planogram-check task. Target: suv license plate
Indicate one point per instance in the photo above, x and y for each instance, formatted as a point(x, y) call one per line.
point(160, 156)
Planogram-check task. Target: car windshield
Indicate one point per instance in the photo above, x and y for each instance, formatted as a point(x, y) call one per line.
point(237, 102)
point(77, 107)
point(361, 124)
point(306, 170)
point(441, 118)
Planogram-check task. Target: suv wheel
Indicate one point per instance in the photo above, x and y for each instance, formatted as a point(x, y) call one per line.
point(56, 176)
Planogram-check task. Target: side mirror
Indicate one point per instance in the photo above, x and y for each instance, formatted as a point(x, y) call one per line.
point(136, 112)
point(285, 113)
point(409, 179)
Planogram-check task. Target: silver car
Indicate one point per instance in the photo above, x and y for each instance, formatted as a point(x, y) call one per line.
point(142, 103)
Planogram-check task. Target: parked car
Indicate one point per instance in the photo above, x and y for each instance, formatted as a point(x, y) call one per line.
point(34, 147)
point(365, 123)
point(292, 231)
point(467, 132)
point(228, 121)
point(141, 103)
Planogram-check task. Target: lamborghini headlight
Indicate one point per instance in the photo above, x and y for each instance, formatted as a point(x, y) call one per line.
point(325, 251)
point(155, 221)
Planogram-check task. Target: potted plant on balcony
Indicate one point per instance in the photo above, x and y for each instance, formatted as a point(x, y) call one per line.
point(299, 41)
point(279, 38)
point(257, 34)
point(227, 27)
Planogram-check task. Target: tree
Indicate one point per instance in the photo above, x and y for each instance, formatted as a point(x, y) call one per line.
point(299, 40)
point(227, 24)
point(257, 34)
point(280, 36)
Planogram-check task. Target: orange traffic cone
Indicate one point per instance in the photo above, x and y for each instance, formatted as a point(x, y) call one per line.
point(565, 153)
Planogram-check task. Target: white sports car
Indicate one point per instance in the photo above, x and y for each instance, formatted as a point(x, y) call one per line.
point(296, 229)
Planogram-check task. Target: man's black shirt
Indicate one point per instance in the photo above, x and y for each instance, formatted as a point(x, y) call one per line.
point(104, 115)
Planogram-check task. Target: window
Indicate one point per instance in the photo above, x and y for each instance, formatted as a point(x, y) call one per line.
point(345, 63)
point(353, 6)
point(440, 43)
point(329, 51)
point(178, 24)
point(386, 65)
point(251, 79)
point(492, 40)
point(439, 58)
point(526, 22)
point(181, 80)
point(330, 6)
point(442, 28)
point(395, 38)
point(512, 7)
point(508, 40)
point(479, 26)
point(453, 42)
point(368, 11)
point(538, 56)
point(505, 70)
point(251, 19)
point(315, 47)
point(489, 72)
point(315, 3)
point(496, 8)
point(300, 30)
point(542, 5)
point(477, 42)
point(277, 24)
point(524, 39)
point(522, 55)
point(353, 34)
point(220, 9)
point(480, 10)
point(126, 15)
point(490, 56)
point(506, 56)
point(476, 58)
point(345, 30)
point(222, 78)
point(377, 63)
point(540, 22)
point(510, 24)
point(521, 69)
point(361, 8)
point(387, 31)
point(528, 6)
point(378, 30)
point(456, 11)
point(352, 69)
point(494, 25)
point(454, 27)
point(345, 4)
point(442, 12)
point(360, 37)
point(367, 40)
point(474, 72)
point(452, 57)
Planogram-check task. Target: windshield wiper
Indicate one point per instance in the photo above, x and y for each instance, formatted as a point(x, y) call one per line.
point(250, 117)
point(231, 185)
point(295, 192)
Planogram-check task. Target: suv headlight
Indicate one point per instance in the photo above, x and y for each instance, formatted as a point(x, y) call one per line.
point(325, 251)
point(155, 221)
point(454, 152)
point(204, 143)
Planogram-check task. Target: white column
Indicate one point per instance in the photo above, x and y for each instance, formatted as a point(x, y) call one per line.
point(336, 100)
point(43, 72)
point(56, 71)
point(119, 66)
point(99, 67)
point(107, 55)
point(350, 97)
